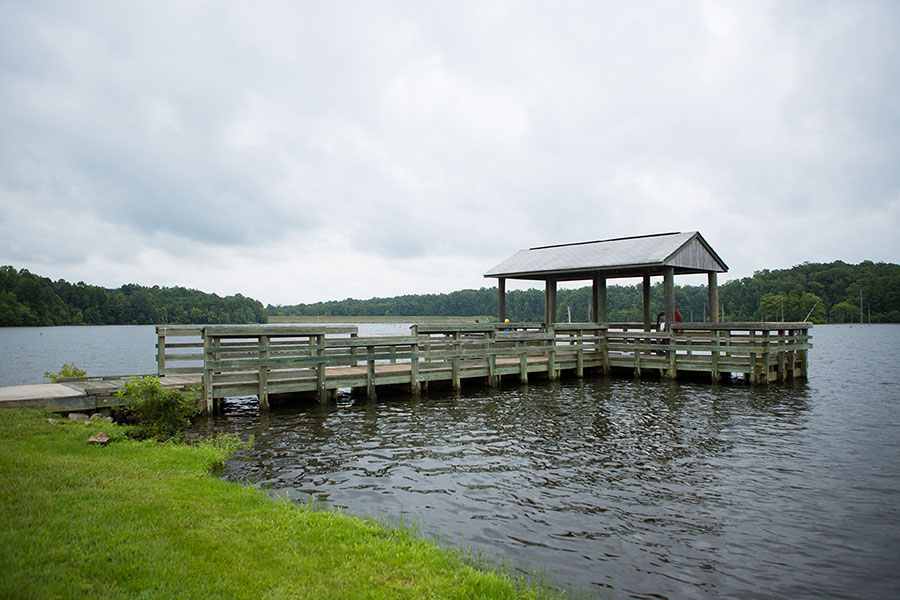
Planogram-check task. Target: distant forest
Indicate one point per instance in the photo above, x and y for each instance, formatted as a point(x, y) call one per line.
point(29, 299)
point(830, 291)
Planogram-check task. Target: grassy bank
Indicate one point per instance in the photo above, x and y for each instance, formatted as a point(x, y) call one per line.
point(382, 319)
point(145, 520)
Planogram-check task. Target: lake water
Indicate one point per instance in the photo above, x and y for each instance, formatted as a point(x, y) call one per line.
point(615, 487)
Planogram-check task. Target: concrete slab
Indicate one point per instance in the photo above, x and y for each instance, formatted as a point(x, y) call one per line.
point(52, 396)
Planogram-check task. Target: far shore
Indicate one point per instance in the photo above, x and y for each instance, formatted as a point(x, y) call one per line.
point(381, 319)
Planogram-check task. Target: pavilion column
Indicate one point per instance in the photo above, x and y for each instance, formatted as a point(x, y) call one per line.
point(646, 302)
point(598, 299)
point(713, 289)
point(501, 298)
point(550, 302)
point(669, 295)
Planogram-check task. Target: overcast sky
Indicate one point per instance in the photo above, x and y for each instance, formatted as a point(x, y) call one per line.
point(303, 151)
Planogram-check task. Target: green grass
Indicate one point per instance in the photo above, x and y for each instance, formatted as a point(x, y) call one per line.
point(146, 520)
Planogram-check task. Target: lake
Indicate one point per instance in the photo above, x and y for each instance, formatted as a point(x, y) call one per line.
point(614, 487)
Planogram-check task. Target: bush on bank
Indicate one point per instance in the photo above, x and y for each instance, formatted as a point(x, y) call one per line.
point(139, 519)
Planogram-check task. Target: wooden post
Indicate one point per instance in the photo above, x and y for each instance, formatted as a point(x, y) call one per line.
point(320, 370)
point(551, 355)
point(579, 355)
point(490, 347)
point(713, 290)
point(550, 302)
point(263, 378)
point(414, 386)
point(599, 299)
point(523, 361)
point(714, 339)
point(457, 350)
point(160, 351)
point(501, 299)
point(669, 307)
point(207, 373)
point(646, 289)
point(370, 373)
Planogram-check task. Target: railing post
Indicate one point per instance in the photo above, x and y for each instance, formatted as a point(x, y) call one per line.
point(414, 387)
point(490, 347)
point(714, 340)
point(457, 384)
point(672, 352)
point(207, 372)
point(604, 350)
point(579, 354)
point(551, 354)
point(370, 373)
point(263, 393)
point(782, 349)
point(523, 361)
point(321, 392)
point(754, 366)
point(160, 351)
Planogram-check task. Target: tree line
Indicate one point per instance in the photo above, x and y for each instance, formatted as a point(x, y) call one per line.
point(29, 299)
point(819, 292)
point(834, 292)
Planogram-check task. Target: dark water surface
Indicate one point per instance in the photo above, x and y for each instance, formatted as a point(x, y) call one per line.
point(617, 487)
point(628, 488)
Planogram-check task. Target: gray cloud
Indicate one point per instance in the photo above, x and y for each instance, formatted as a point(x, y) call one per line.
point(389, 136)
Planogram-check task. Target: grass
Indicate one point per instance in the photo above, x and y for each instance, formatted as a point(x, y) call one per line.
point(380, 319)
point(146, 520)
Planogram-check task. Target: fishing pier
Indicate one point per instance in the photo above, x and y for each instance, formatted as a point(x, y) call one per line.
point(317, 361)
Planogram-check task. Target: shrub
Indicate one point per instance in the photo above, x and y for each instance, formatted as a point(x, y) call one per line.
point(159, 413)
point(67, 370)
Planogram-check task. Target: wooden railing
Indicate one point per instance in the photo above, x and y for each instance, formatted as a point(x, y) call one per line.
point(276, 359)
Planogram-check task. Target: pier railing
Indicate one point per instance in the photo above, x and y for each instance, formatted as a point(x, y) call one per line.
point(263, 360)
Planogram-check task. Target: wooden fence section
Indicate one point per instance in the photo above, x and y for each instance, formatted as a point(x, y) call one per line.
point(275, 359)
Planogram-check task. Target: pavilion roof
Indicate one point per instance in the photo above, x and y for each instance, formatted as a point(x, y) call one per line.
point(687, 252)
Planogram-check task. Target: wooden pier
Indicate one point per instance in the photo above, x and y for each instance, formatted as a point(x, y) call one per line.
point(271, 360)
point(268, 361)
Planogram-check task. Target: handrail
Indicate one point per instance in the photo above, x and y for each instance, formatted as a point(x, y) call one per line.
point(269, 359)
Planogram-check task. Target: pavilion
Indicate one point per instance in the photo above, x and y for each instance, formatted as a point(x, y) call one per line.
point(663, 254)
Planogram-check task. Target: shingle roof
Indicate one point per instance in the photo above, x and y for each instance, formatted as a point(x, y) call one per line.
point(688, 252)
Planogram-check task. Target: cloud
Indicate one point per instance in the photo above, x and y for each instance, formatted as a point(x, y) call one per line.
point(383, 149)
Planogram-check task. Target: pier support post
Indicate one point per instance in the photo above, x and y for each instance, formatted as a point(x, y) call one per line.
point(646, 291)
point(321, 392)
point(669, 297)
point(598, 299)
point(501, 299)
point(414, 386)
point(550, 302)
point(370, 373)
point(160, 351)
point(713, 290)
point(263, 378)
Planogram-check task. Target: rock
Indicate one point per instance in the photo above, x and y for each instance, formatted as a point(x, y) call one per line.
point(101, 417)
point(78, 417)
point(51, 421)
point(101, 438)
